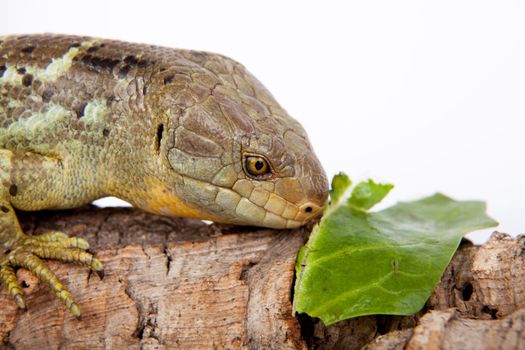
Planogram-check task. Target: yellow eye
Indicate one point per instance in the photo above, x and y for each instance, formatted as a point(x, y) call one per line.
point(256, 166)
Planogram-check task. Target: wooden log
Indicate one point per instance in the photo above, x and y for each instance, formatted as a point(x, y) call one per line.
point(180, 283)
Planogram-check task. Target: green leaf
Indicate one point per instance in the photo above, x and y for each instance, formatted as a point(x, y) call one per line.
point(367, 194)
point(340, 184)
point(388, 262)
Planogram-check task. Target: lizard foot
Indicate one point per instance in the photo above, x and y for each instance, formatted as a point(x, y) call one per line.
point(28, 251)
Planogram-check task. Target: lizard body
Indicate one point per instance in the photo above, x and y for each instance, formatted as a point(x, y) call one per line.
point(175, 132)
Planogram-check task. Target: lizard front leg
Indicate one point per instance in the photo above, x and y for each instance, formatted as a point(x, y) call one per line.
point(20, 250)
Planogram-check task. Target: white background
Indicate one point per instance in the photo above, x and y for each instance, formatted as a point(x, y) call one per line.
point(426, 95)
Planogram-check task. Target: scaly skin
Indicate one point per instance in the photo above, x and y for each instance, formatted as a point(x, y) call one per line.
point(166, 130)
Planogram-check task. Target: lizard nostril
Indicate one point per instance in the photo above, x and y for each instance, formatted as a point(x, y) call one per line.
point(308, 209)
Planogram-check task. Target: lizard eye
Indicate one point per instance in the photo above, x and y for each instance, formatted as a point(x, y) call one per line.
point(256, 166)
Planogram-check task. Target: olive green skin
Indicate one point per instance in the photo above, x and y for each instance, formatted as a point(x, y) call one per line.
point(164, 129)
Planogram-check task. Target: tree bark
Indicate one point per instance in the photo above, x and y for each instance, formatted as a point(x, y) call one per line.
point(180, 283)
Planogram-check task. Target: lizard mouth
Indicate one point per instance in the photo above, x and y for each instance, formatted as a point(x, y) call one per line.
point(274, 211)
point(245, 204)
point(291, 215)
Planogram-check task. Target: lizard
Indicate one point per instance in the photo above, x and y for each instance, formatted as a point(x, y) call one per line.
point(174, 132)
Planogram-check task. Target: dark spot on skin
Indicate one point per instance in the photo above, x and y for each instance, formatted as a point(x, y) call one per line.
point(162, 69)
point(5, 209)
point(99, 64)
point(109, 64)
point(3, 68)
point(46, 95)
point(79, 110)
point(27, 80)
point(93, 49)
point(28, 49)
point(13, 190)
point(21, 70)
point(124, 71)
point(96, 61)
point(131, 60)
point(308, 209)
point(91, 61)
point(105, 132)
point(134, 61)
point(168, 79)
point(74, 45)
point(158, 139)
point(87, 59)
point(145, 90)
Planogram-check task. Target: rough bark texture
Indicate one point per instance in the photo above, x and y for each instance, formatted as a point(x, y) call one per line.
point(179, 283)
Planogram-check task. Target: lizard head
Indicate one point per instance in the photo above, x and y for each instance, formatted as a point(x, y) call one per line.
point(236, 155)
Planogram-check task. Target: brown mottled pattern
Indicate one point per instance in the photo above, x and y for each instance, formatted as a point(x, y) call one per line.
point(167, 130)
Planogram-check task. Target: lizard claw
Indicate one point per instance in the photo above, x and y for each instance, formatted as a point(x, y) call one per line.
point(100, 274)
point(28, 253)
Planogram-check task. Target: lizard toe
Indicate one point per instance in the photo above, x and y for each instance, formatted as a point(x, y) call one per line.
point(10, 283)
point(28, 253)
point(73, 255)
point(58, 239)
point(31, 262)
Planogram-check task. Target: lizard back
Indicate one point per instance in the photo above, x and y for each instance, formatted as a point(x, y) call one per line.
point(56, 87)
